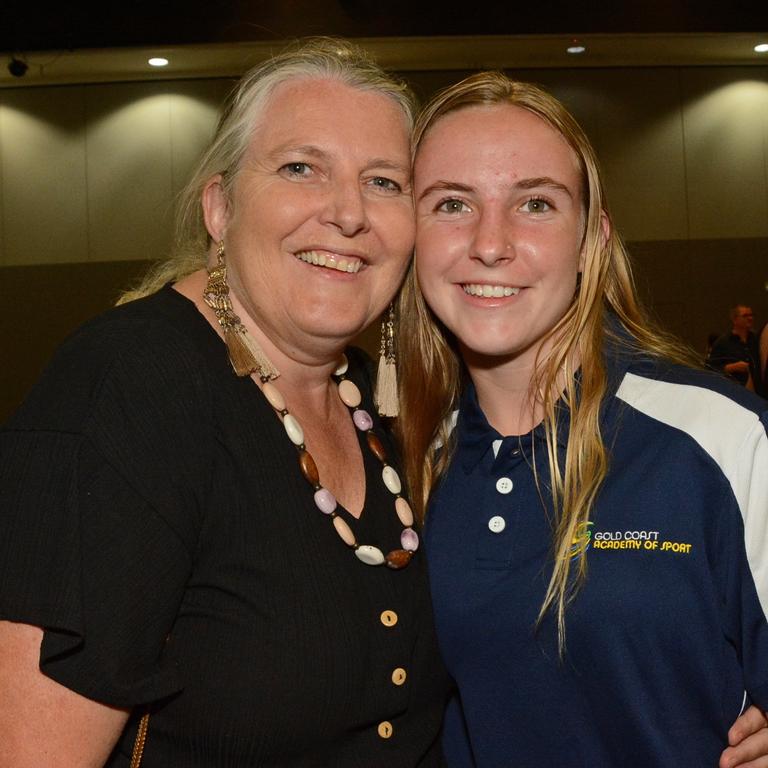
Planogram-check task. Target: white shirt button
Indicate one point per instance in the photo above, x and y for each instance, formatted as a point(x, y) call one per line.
point(497, 524)
point(503, 485)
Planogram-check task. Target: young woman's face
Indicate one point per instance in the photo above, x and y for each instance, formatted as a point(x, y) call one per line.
point(500, 219)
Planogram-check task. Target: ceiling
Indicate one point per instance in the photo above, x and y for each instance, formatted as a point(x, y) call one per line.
point(93, 42)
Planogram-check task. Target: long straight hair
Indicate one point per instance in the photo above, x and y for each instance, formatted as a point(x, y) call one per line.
point(436, 375)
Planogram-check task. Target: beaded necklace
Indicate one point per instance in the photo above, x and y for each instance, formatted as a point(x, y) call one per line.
point(324, 499)
point(248, 358)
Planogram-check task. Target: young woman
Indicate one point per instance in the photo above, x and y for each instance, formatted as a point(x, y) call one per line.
point(599, 509)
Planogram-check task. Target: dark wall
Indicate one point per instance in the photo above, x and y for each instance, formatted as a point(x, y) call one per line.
point(40, 305)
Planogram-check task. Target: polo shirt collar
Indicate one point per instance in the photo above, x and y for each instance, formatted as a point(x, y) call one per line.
point(475, 436)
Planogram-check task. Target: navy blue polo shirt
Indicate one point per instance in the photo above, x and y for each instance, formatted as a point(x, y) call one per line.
point(667, 640)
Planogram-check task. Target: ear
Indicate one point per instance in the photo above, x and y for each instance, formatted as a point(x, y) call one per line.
point(605, 235)
point(215, 207)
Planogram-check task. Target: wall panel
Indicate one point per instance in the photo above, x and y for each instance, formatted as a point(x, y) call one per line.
point(44, 189)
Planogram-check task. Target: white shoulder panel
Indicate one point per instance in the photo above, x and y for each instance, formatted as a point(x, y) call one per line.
point(735, 439)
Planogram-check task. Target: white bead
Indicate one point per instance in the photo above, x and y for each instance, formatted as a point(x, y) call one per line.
point(369, 555)
point(343, 366)
point(391, 480)
point(293, 429)
point(349, 393)
point(344, 531)
point(274, 398)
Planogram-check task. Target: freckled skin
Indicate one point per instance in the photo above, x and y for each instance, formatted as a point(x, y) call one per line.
point(481, 219)
point(312, 181)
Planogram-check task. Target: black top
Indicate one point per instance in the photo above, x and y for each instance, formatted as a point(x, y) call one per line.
point(729, 348)
point(154, 521)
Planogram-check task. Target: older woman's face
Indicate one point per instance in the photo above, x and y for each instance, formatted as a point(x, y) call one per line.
point(499, 228)
point(319, 228)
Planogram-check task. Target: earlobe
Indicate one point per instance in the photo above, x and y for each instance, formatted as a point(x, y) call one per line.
point(605, 229)
point(215, 208)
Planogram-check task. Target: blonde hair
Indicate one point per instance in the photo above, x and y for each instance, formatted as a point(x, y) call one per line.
point(435, 374)
point(315, 59)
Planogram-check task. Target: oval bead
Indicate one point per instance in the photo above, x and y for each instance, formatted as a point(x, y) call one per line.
point(409, 539)
point(344, 531)
point(391, 480)
point(376, 446)
point(325, 501)
point(273, 395)
point(309, 468)
point(362, 419)
point(398, 558)
point(293, 429)
point(369, 555)
point(404, 511)
point(349, 393)
point(342, 367)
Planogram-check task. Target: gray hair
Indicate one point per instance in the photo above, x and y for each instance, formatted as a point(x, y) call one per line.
point(315, 59)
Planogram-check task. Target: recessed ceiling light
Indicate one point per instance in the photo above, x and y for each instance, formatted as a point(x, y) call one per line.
point(761, 48)
point(157, 61)
point(576, 47)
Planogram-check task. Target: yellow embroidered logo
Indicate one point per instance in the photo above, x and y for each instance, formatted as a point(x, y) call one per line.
point(580, 542)
point(646, 540)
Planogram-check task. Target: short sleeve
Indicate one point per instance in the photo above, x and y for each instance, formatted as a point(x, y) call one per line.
point(84, 557)
point(101, 490)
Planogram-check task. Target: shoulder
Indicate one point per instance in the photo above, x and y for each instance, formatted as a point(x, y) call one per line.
point(723, 418)
point(129, 354)
point(648, 380)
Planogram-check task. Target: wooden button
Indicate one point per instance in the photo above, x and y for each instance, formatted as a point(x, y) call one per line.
point(385, 729)
point(398, 676)
point(388, 618)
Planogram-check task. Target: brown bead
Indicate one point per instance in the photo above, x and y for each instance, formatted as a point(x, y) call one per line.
point(375, 445)
point(309, 468)
point(398, 558)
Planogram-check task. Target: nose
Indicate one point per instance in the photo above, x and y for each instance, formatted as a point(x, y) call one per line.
point(492, 242)
point(345, 207)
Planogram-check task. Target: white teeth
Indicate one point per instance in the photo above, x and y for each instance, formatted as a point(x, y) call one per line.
point(487, 291)
point(342, 264)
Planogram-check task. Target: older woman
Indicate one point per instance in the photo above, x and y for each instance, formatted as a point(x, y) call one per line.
point(230, 548)
point(598, 516)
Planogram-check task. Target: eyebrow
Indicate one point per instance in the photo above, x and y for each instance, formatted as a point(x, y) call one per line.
point(532, 183)
point(445, 186)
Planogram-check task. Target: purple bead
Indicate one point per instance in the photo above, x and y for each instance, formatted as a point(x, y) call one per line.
point(362, 419)
point(325, 501)
point(409, 539)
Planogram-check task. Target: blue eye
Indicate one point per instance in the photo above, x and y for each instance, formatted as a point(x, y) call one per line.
point(381, 182)
point(537, 205)
point(296, 169)
point(452, 205)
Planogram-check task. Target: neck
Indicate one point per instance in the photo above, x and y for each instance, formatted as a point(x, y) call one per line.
point(742, 334)
point(506, 390)
point(510, 408)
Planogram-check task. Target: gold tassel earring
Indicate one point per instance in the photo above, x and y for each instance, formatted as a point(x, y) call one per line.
point(245, 354)
point(386, 379)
